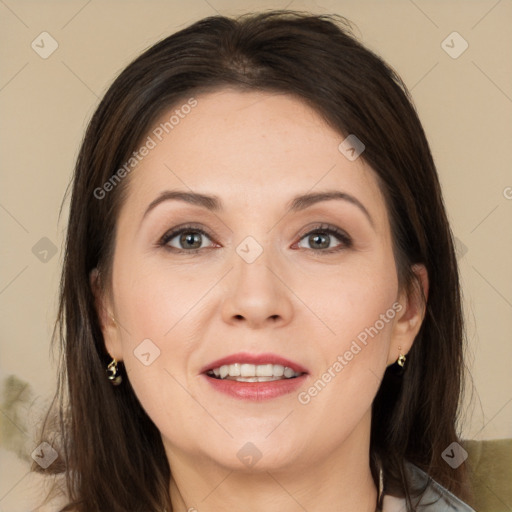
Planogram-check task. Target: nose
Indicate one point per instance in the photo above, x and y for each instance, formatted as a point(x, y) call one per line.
point(257, 295)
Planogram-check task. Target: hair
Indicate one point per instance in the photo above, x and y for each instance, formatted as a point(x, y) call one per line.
point(111, 453)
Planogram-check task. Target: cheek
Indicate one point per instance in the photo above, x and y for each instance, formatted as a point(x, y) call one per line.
point(350, 299)
point(357, 307)
point(157, 308)
point(156, 301)
point(161, 310)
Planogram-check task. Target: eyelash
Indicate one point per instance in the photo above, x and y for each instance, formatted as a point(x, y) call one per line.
point(346, 241)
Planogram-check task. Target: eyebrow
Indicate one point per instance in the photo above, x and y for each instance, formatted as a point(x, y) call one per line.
point(298, 203)
point(305, 201)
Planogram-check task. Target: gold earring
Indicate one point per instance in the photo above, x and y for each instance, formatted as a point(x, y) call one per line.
point(113, 373)
point(401, 359)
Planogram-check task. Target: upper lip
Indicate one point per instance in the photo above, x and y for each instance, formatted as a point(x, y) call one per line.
point(245, 357)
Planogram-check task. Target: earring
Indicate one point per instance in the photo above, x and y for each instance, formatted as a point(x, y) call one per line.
point(113, 373)
point(401, 359)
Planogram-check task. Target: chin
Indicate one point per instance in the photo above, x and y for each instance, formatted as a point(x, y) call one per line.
point(255, 454)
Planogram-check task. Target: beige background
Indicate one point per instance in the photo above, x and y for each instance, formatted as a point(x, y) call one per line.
point(465, 105)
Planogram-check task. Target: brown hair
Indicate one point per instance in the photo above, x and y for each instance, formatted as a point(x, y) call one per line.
point(111, 452)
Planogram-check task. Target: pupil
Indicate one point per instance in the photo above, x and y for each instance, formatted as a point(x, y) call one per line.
point(188, 240)
point(317, 238)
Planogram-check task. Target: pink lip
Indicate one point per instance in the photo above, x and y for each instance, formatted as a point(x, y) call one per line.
point(245, 357)
point(256, 391)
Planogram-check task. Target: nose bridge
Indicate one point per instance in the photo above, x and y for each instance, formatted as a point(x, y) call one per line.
point(256, 293)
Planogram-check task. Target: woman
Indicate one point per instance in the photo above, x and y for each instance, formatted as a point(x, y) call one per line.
point(260, 305)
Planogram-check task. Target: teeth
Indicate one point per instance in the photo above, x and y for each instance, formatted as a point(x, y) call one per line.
point(234, 370)
point(247, 370)
point(288, 372)
point(244, 372)
point(253, 379)
point(264, 370)
point(278, 370)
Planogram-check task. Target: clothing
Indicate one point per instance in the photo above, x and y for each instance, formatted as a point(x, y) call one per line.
point(435, 498)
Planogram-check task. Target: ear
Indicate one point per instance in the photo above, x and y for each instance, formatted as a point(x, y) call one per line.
point(104, 310)
point(410, 317)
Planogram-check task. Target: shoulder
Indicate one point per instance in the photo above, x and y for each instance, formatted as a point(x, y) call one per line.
point(434, 497)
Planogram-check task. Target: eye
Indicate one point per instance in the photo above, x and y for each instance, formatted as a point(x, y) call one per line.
point(323, 238)
point(192, 239)
point(185, 239)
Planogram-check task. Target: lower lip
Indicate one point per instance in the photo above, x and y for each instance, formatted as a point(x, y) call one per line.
point(256, 390)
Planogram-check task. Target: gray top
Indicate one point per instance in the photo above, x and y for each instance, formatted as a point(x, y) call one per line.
point(435, 497)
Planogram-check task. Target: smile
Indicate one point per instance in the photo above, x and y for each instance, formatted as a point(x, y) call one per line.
point(254, 377)
point(246, 372)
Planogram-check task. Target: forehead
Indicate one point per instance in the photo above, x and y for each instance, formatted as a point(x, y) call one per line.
point(251, 149)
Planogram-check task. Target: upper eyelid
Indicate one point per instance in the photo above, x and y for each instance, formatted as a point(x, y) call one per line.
point(323, 227)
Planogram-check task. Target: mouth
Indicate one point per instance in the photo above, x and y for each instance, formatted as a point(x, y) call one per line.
point(254, 377)
point(246, 372)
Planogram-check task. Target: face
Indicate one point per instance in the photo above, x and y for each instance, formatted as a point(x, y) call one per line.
point(256, 274)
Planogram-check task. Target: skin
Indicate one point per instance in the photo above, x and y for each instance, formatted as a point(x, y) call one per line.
point(256, 151)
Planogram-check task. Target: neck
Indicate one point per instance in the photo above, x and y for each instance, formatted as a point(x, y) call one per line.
point(342, 477)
